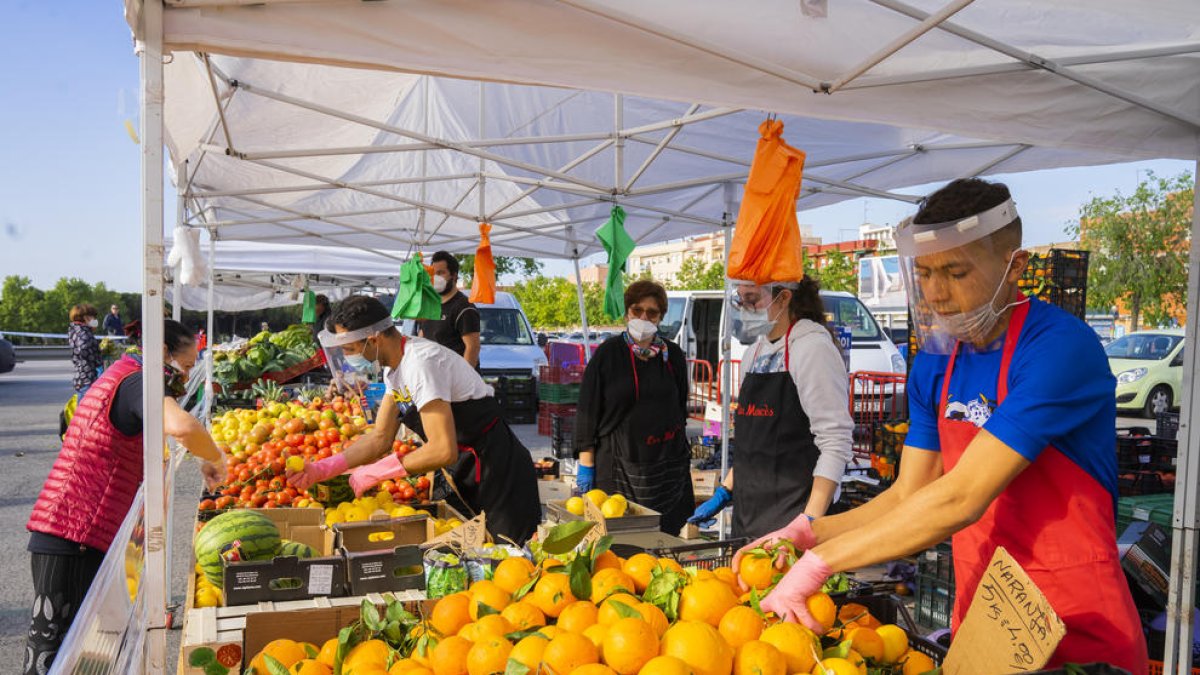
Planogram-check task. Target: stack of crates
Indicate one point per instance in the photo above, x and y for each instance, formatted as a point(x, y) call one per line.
point(1145, 463)
point(517, 394)
point(558, 392)
point(1059, 278)
point(934, 599)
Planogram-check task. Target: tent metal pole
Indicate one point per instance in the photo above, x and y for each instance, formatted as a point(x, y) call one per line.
point(441, 143)
point(677, 37)
point(690, 118)
point(482, 180)
point(1002, 68)
point(595, 150)
point(549, 209)
point(155, 576)
point(313, 216)
point(181, 173)
point(654, 154)
point(619, 154)
point(405, 147)
point(217, 224)
point(1186, 518)
point(1045, 64)
point(212, 337)
point(208, 194)
point(587, 337)
point(927, 24)
point(548, 184)
point(1000, 160)
point(726, 373)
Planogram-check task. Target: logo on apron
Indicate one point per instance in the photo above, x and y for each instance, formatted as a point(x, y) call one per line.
point(977, 411)
point(403, 399)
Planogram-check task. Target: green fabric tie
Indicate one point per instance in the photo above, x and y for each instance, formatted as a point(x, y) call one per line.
point(619, 245)
point(415, 297)
point(310, 307)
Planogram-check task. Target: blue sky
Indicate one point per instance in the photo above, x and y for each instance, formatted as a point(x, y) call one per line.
point(69, 181)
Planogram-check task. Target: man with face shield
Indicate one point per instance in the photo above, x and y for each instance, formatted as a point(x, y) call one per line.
point(793, 425)
point(458, 329)
point(93, 483)
point(440, 397)
point(1010, 440)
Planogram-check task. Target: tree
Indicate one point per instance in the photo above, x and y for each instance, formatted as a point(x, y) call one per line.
point(553, 302)
point(840, 272)
point(694, 275)
point(523, 267)
point(1139, 247)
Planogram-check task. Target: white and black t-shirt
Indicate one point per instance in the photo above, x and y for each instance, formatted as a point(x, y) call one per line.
point(430, 372)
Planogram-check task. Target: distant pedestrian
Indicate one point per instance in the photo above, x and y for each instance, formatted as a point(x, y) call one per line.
point(113, 325)
point(85, 351)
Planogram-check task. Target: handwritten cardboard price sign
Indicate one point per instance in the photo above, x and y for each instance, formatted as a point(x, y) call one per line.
point(592, 512)
point(469, 535)
point(1010, 626)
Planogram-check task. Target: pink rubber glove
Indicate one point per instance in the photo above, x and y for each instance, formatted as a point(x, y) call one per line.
point(315, 472)
point(788, 598)
point(799, 532)
point(365, 477)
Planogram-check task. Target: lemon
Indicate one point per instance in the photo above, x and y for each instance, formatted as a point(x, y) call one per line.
point(344, 507)
point(368, 504)
point(575, 506)
point(405, 511)
point(613, 508)
point(295, 463)
point(597, 497)
point(356, 514)
point(619, 498)
point(334, 517)
point(208, 597)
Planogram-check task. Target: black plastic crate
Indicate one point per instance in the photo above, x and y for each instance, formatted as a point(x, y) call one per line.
point(1134, 451)
point(934, 597)
point(521, 416)
point(890, 609)
point(562, 436)
point(517, 385)
point(1168, 425)
point(1137, 483)
point(707, 555)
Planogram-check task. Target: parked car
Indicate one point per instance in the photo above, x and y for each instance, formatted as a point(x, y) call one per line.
point(1149, 370)
point(8, 356)
point(506, 342)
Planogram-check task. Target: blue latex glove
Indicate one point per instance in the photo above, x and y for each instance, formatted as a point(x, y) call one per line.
point(585, 478)
point(709, 509)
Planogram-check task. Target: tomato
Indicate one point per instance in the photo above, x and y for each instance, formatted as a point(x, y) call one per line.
point(295, 426)
point(246, 494)
point(277, 466)
point(324, 424)
point(389, 485)
point(333, 435)
point(225, 502)
point(322, 443)
point(279, 433)
point(243, 474)
point(405, 448)
point(324, 453)
point(283, 499)
point(231, 490)
point(277, 483)
point(422, 483)
point(207, 505)
point(258, 499)
point(261, 484)
point(335, 447)
point(309, 439)
point(271, 504)
point(347, 429)
point(407, 492)
point(292, 491)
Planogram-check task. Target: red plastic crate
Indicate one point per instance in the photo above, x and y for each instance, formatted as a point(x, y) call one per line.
point(1156, 668)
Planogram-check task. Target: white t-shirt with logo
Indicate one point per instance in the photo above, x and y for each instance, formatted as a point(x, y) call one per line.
point(430, 372)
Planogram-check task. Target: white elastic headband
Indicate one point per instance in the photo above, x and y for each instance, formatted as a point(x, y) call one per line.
point(329, 339)
point(916, 240)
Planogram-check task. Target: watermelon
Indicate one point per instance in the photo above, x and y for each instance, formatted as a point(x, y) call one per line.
point(295, 548)
point(234, 535)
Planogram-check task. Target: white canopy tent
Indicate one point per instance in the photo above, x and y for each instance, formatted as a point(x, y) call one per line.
point(891, 94)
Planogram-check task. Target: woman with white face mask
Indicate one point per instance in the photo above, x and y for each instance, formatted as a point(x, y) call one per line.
point(793, 424)
point(631, 427)
point(85, 351)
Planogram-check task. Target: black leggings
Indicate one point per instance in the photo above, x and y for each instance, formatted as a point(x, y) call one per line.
point(60, 583)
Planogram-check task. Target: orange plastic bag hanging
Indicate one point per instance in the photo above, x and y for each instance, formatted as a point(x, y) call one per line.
point(766, 241)
point(483, 286)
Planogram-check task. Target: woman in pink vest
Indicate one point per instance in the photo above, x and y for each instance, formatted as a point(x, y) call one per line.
point(93, 483)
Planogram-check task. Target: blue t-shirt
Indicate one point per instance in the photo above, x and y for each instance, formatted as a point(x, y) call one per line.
point(1060, 393)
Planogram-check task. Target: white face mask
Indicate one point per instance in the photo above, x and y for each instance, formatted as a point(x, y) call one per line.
point(92, 323)
point(977, 324)
point(755, 323)
point(440, 283)
point(641, 329)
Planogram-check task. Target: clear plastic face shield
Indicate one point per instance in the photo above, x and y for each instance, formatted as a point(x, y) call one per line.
point(756, 307)
point(348, 368)
point(957, 278)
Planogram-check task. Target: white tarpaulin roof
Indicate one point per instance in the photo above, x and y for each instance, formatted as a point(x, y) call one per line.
point(241, 284)
point(548, 157)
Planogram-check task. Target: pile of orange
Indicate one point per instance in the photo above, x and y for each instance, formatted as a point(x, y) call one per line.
point(487, 630)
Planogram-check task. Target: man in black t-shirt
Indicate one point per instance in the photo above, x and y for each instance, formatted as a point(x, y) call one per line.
point(458, 329)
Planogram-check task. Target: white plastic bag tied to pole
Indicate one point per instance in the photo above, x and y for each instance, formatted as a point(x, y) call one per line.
point(186, 258)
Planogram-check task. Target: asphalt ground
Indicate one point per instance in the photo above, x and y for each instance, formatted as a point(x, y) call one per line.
point(30, 398)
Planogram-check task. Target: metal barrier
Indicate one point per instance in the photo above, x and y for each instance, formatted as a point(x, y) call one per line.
point(734, 379)
point(701, 388)
point(874, 398)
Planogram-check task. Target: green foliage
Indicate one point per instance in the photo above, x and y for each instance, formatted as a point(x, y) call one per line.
point(694, 275)
point(26, 308)
point(840, 272)
point(524, 267)
point(1139, 247)
point(552, 302)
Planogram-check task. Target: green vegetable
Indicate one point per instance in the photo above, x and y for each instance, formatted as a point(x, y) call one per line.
point(445, 575)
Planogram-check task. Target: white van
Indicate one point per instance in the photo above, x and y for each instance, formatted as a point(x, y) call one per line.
point(693, 321)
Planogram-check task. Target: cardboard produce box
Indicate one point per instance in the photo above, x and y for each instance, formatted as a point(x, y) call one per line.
point(1145, 550)
point(290, 578)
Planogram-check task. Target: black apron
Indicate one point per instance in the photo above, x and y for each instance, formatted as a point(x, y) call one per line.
point(776, 452)
point(646, 456)
point(493, 474)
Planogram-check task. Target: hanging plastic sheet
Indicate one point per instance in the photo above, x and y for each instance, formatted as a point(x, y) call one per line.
point(619, 245)
point(766, 241)
point(483, 286)
point(310, 307)
point(415, 297)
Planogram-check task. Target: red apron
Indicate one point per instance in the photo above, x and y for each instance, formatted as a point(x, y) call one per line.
point(1058, 523)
